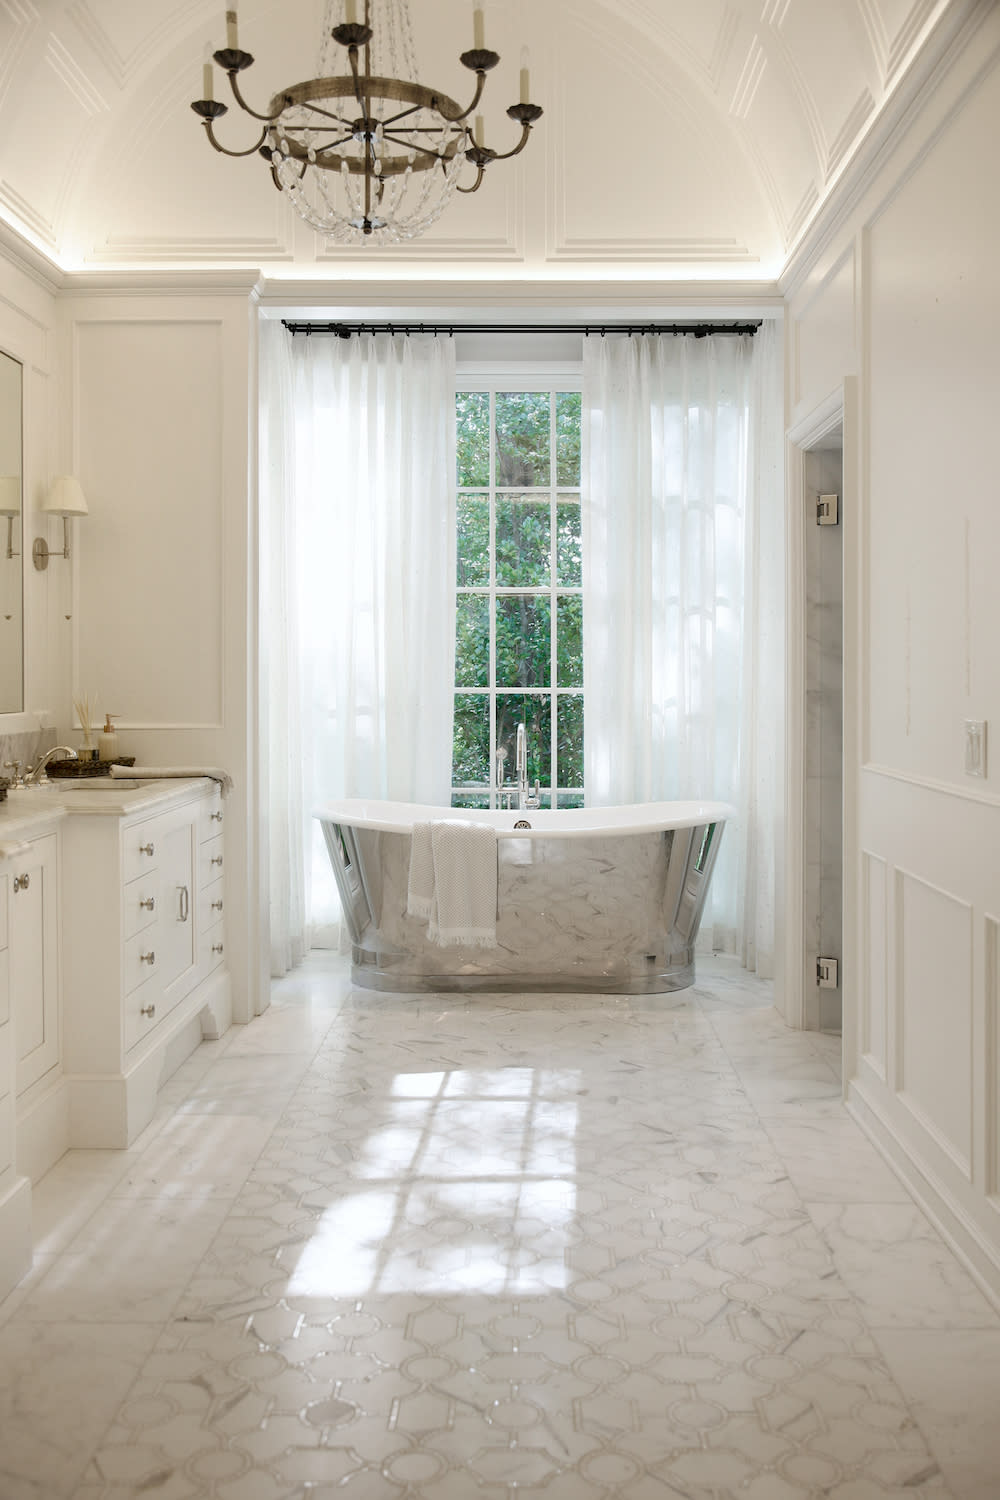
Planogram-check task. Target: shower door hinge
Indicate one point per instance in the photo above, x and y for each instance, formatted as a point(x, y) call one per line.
point(827, 970)
point(827, 510)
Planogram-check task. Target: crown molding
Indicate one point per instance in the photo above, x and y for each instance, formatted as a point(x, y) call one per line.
point(952, 34)
point(40, 267)
point(241, 282)
point(555, 298)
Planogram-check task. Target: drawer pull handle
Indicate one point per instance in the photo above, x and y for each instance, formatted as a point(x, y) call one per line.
point(216, 947)
point(216, 817)
point(146, 849)
point(185, 904)
point(216, 905)
point(216, 859)
point(149, 904)
point(148, 958)
point(148, 1010)
point(21, 882)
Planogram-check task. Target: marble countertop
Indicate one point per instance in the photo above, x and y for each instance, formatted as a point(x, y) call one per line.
point(28, 807)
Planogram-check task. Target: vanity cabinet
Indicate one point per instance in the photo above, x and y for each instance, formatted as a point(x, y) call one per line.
point(144, 917)
point(33, 959)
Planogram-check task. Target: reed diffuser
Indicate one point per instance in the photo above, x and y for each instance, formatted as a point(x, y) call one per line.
point(85, 707)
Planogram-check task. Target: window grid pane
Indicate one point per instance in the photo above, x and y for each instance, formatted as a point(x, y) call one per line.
point(519, 609)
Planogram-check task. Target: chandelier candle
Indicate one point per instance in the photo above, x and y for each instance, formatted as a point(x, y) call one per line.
point(368, 155)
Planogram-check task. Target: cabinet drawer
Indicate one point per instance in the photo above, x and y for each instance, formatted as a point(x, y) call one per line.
point(211, 948)
point(139, 851)
point(211, 818)
point(140, 960)
point(140, 906)
point(210, 861)
point(143, 1010)
point(211, 905)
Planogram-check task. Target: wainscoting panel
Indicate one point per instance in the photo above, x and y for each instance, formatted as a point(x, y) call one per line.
point(991, 987)
point(934, 999)
point(149, 434)
point(873, 1016)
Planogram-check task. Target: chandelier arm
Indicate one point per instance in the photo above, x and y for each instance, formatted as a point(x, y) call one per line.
point(506, 155)
point(480, 174)
point(454, 119)
point(225, 149)
point(414, 109)
point(233, 75)
point(315, 109)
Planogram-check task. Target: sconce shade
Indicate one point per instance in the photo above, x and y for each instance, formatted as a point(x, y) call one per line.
point(65, 498)
point(10, 494)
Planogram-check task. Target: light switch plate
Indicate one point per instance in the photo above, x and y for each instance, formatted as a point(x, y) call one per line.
point(975, 747)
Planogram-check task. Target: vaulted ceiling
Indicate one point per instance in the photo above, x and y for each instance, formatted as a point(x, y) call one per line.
point(682, 139)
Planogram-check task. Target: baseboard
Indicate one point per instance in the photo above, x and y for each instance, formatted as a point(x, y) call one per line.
point(110, 1111)
point(42, 1132)
point(967, 1238)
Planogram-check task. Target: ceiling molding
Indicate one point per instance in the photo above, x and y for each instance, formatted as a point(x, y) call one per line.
point(941, 51)
point(35, 263)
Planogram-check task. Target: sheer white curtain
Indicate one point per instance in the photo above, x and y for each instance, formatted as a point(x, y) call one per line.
point(675, 677)
point(361, 613)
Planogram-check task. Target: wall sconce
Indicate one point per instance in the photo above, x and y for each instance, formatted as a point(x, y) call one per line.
point(65, 499)
point(10, 506)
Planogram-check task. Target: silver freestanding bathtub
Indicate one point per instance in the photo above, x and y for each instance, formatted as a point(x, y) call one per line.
point(599, 899)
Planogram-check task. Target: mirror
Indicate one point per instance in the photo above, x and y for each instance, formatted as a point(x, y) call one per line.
point(11, 539)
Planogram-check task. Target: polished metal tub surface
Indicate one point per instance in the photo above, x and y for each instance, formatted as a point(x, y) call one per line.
point(605, 900)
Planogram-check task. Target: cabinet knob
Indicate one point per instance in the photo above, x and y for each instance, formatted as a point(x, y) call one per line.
point(21, 882)
point(216, 947)
point(216, 905)
point(149, 904)
point(146, 849)
point(217, 859)
point(148, 1010)
point(147, 958)
point(216, 817)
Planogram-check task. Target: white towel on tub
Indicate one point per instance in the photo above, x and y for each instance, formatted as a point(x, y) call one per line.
point(453, 881)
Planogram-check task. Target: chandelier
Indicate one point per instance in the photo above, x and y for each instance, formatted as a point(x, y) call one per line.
point(369, 155)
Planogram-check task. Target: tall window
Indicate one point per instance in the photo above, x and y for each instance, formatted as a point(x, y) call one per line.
point(519, 646)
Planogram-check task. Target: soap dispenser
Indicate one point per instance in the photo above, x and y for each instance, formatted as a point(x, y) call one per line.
point(107, 740)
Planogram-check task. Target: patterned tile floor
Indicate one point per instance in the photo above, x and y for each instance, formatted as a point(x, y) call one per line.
point(386, 1248)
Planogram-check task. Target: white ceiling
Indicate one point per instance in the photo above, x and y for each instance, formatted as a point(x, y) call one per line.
point(682, 139)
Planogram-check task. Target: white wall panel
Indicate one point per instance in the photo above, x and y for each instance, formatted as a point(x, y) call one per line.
point(873, 996)
point(934, 1012)
point(149, 437)
point(934, 521)
point(823, 349)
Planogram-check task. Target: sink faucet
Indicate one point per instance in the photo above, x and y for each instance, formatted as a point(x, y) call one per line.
point(36, 776)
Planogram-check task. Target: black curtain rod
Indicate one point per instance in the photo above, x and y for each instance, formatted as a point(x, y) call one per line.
point(696, 330)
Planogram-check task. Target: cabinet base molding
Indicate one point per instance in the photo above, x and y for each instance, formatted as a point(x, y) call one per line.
point(42, 1132)
point(108, 1112)
point(15, 1233)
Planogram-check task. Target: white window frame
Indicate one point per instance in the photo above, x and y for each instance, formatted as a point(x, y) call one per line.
point(495, 377)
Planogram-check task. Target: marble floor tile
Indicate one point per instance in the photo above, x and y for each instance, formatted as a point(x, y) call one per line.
point(60, 1386)
point(951, 1380)
point(505, 1247)
point(898, 1268)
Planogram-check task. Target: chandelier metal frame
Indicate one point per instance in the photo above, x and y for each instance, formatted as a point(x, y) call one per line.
point(299, 134)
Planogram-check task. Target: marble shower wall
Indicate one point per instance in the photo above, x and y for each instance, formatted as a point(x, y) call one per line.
point(823, 908)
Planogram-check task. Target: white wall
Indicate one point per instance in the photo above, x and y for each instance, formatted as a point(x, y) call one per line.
point(159, 426)
point(904, 296)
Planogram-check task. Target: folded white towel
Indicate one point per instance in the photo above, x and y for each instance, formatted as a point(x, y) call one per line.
point(453, 881)
point(156, 773)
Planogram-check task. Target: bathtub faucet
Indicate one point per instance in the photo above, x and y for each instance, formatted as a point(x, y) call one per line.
point(525, 797)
